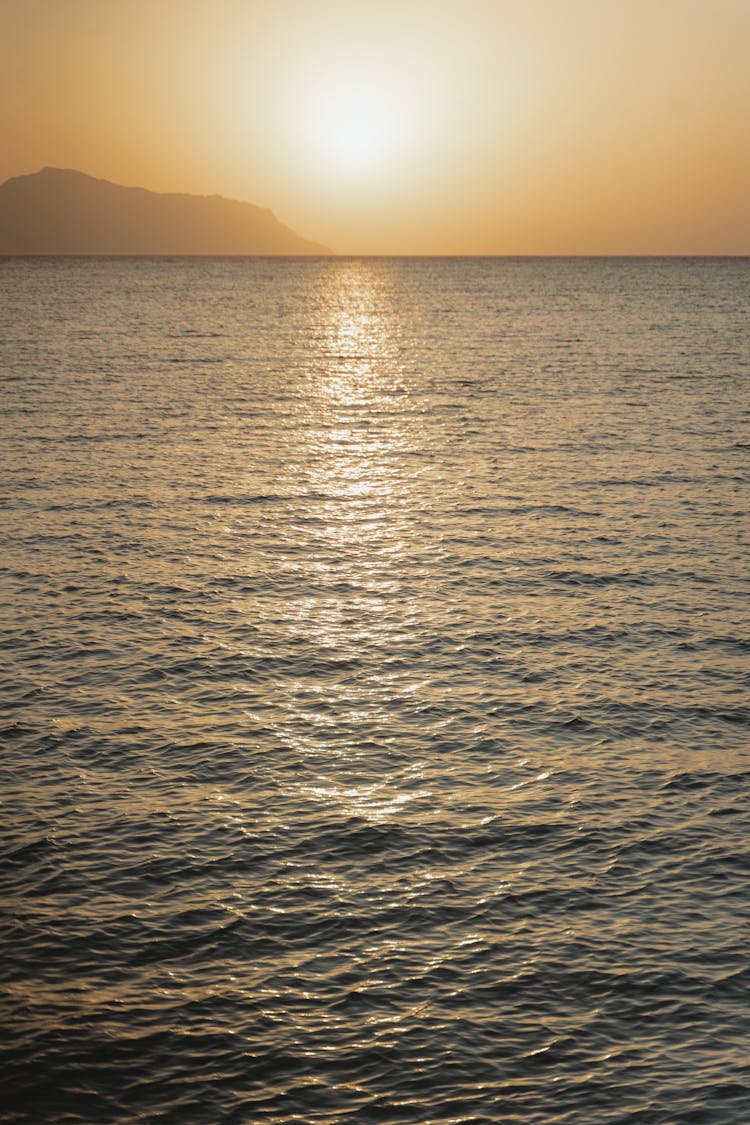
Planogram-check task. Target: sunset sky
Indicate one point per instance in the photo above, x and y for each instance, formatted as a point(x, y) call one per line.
point(417, 126)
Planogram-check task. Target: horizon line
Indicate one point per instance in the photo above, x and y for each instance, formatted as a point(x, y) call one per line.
point(344, 255)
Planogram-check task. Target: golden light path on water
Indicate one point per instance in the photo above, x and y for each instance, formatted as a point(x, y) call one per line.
point(354, 446)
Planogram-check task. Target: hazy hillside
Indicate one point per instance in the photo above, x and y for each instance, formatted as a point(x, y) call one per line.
point(59, 211)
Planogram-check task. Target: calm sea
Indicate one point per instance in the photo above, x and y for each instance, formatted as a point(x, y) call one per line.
point(374, 691)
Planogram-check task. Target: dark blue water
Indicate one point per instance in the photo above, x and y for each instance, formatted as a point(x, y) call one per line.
point(374, 691)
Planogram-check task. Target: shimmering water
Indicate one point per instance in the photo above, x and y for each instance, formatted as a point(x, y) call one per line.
point(374, 693)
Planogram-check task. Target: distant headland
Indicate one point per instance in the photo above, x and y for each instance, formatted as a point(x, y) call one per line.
point(61, 211)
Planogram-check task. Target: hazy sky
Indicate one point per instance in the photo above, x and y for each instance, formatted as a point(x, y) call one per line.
point(419, 126)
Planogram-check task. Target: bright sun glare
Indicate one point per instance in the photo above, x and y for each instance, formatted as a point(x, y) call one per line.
point(354, 130)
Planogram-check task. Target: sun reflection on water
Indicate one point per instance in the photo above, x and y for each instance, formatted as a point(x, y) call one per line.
point(355, 524)
point(357, 422)
point(357, 326)
point(375, 802)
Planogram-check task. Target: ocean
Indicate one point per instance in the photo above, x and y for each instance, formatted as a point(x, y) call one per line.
point(375, 691)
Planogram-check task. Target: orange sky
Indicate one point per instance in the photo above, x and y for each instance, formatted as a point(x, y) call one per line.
point(417, 126)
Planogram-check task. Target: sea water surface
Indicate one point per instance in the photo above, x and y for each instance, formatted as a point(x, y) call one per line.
point(374, 691)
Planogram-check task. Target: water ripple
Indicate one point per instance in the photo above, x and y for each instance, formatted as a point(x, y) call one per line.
point(374, 704)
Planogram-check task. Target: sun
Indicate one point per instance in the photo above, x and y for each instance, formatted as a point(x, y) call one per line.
point(355, 130)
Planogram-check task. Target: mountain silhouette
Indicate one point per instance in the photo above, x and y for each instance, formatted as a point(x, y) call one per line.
point(60, 211)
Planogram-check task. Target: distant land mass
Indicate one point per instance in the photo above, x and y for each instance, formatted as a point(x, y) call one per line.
point(61, 211)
